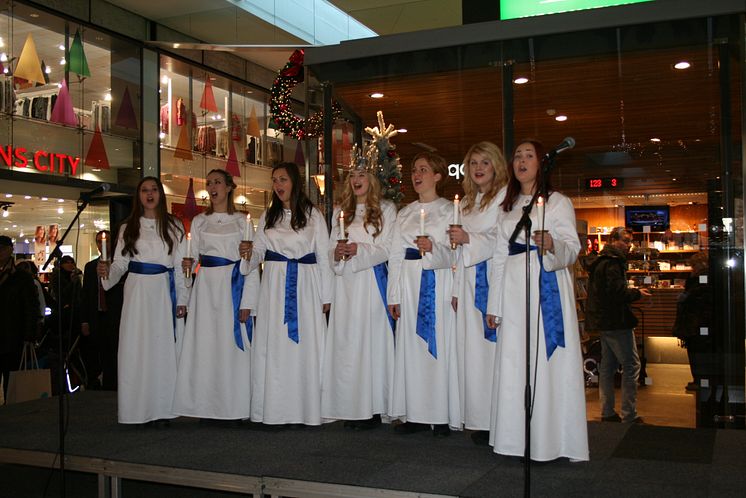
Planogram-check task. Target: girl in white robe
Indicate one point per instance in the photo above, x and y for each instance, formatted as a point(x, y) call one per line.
point(293, 241)
point(485, 175)
point(359, 358)
point(151, 244)
point(214, 364)
point(558, 422)
point(425, 389)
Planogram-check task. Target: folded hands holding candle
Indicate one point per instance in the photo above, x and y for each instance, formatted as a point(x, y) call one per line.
point(343, 250)
point(424, 244)
point(458, 235)
point(244, 249)
point(543, 240)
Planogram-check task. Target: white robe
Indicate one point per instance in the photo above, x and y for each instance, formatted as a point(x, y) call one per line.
point(147, 349)
point(285, 375)
point(359, 357)
point(425, 389)
point(558, 425)
point(476, 355)
point(213, 379)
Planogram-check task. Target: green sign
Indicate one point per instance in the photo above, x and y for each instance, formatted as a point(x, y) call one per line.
point(512, 9)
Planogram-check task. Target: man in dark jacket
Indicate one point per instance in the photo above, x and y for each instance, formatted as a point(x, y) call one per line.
point(608, 311)
point(19, 310)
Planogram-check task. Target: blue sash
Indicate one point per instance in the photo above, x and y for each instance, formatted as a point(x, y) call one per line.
point(156, 269)
point(481, 290)
point(237, 281)
point(550, 302)
point(381, 272)
point(426, 305)
point(291, 288)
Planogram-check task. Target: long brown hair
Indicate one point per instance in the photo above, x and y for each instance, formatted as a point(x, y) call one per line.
point(373, 212)
point(438, 165)
point(301, 206)
point(228, 179)
point(165, 222)
point(500, 177)
point(514, 186)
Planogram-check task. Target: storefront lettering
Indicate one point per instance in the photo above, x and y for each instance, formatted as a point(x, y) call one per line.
point(51, 162)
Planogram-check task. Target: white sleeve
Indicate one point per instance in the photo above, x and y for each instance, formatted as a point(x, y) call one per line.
point(499, 257)
point(396, 258)
point(560, 216)
point(370, 255)
point(321, 248)
point(177, 254)
point(119, 265)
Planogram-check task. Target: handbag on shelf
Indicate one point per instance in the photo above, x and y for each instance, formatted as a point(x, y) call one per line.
point(29, 382)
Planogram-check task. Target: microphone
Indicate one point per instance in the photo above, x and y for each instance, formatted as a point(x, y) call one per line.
point(104, 187)
point(567, 144)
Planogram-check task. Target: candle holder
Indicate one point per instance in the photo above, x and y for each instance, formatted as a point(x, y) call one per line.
point(537, 232)
point(247, 256)
point(188, 272)
point(454, 245)
point(422, 252)
point(344, 241)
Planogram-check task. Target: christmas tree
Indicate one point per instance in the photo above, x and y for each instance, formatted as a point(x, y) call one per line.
point(380, 154)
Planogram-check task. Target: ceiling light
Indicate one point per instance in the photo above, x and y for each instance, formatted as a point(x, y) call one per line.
point(682, 65)
point(656, 140)
point(5, 212)
point(561, 117)
point(27, 197)
point(164, 79)
point(107, 97)
point(521, 80)
point(376, 95)
point(63, 61)
point(61, 46)
point(45, 198)
point(3, 57)
point(48, 70)
point(60, 210)
point(8, 196)
point(60, 200)
point(401, 130)
point(34, 15)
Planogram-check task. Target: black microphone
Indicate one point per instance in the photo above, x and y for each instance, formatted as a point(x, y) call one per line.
point(104, 187)
point(567, 144)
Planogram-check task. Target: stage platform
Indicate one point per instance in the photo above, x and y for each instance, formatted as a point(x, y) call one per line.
point(196, 459)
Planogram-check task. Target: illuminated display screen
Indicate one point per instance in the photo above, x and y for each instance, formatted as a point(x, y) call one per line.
point(604, 183)
point(513, 9)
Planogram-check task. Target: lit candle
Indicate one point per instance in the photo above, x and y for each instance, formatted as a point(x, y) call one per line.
point(540, 211)
point(422, 222)
point(103, 247)
point(189, 245)
point(248, 232)
point(342, 225)
point(455, 210)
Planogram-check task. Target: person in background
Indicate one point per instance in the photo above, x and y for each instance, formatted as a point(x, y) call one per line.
point(19, 311)
point(608, 311)
point(214, 369)
point(150, 244)
point(65, 287)
point(359, 357)
point(425, 388)
point(30, 267)
point(296, 289)
point(557, 413)
point(485, 175)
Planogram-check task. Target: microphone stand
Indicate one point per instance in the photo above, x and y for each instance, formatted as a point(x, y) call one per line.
point(524, 224)
point(56, 254)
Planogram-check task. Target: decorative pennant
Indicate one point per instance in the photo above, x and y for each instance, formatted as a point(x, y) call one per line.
point(96, 157)
point(77, 62)
point(252, 126)
point(126, 116)
point(29, 67)
point(300, 160)
point(63, 111)
point(183, 146)
point(190, 203)
point(232, 165)
point(208, 98)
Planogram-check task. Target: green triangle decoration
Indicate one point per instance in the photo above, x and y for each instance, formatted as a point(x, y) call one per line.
point(77, 62)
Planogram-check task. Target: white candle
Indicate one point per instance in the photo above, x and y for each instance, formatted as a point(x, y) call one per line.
point(540, 211)
point(103, 247)
point(248, 231)
point(455, 210)
point(189, 245)
point(422, 222)
point(342, 225)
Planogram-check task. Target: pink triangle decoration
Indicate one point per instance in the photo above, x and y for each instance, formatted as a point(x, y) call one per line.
point(232, 165)
point(63, 111)
point(96, 157)
point(126, 115)
point(300, 160)
point(190, 203)
point(208, 98)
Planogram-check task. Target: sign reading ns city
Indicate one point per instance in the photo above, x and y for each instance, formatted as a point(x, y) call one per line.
point(513, 9)
point(42, 160)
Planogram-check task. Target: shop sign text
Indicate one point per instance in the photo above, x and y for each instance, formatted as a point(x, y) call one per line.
point(46, 162)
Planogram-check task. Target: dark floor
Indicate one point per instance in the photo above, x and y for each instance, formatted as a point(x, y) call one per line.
point(626, 461)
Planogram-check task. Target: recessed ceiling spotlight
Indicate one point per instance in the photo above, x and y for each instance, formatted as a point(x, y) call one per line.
point(682, 65)
point(61, 46)
point(673, 179)
point(561, 118)
point(376, 95)
point(8, 195)
point(60, 210)
point(63, 61)
point(402, 130)
point(521, 80)
point(60, 200)
point(656, 140)
point(27, 197)
point(45, 198)
point(34, 15)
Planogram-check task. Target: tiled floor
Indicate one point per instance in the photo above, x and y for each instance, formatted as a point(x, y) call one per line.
point(664, 401)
